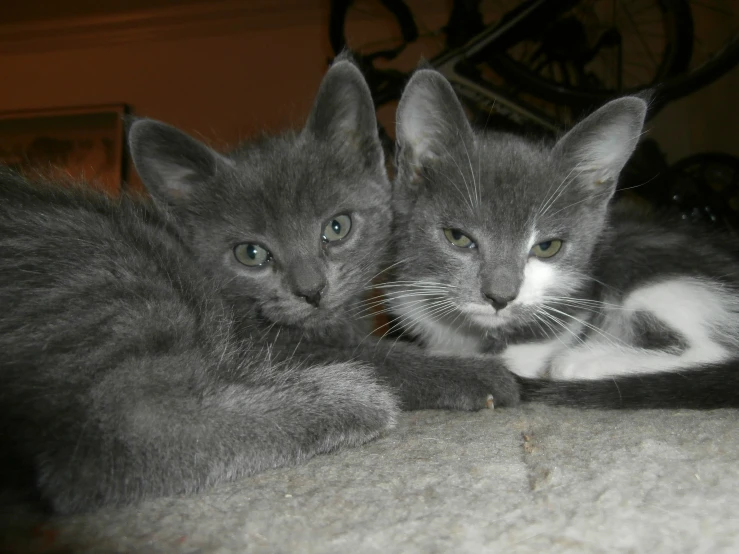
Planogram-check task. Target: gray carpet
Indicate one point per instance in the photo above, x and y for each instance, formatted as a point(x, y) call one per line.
point(531, 479)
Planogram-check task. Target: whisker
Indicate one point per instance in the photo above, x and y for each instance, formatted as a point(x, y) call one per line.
point(566, 327)
point(561, 188)
point(608, 336)
point(580, 202)
point(538, 324)
point(376, 275)
point(606, 285)
point(466, 186)
point(586, 307)
point(410, 316)
point(549, 196)
point(398, 283)
point(472, 174)
point(540, 317)
point(390, 309)
point(591, 307)
point(395, 295)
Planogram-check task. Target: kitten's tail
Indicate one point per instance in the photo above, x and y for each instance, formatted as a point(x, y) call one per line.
point(703, 388)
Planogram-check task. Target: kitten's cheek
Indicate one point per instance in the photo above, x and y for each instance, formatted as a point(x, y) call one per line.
point(538, 278)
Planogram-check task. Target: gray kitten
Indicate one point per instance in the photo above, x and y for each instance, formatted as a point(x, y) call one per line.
point(122, 374)
point(159, 349)
point(298, 226)
point(509, 247)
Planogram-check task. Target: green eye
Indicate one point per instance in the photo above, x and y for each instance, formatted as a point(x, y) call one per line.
point(458, 238)
point(546, 249)
point(337, 228)
point(252, 255)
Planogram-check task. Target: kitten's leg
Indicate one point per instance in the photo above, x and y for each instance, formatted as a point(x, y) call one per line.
point(165, 426)
point(532, 359)
point(700, 317)
point(422, 380)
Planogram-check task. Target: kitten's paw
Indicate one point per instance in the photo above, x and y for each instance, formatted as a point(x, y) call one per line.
point(352, 406)
point(477, 386)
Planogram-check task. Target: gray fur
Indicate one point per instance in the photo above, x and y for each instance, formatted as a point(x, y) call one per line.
point(139, 359)
point(508, 194)
point(122, 375)
point(280, 192)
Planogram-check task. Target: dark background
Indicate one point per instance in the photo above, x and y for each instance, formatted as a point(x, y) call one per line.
point(225, 70)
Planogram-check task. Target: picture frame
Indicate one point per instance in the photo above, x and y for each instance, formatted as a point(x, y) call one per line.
point(79, 143)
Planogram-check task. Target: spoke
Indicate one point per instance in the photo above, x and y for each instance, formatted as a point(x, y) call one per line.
point(641, 39)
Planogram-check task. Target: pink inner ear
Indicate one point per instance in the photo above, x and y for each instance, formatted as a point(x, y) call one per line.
point(177, 180)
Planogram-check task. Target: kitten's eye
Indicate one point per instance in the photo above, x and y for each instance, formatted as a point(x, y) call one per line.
point(458, 238)
point(252, 255)
point(337, 228)
point(546, 249)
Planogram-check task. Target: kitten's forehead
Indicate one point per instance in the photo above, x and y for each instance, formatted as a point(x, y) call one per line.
point(291, 167)
point(283, 185)
point(501, 181)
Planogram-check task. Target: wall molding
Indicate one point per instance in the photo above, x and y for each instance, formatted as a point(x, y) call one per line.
point(210, 18)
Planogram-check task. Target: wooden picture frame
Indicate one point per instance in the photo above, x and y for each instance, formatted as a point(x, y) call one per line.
point(82, 143)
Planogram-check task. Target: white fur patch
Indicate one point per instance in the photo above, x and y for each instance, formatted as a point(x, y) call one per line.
point(531, 359)
point(538, 278)
point(700, 311)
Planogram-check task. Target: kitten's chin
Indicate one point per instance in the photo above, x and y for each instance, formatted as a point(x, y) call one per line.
point(318, 321)
point(485, 316)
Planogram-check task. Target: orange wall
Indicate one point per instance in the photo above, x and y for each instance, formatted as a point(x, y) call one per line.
point(228, 87)
point(221, 88)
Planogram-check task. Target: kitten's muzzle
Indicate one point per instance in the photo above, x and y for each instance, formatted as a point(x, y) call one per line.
point(313, 297)
point(500, 284)
point(307, 280)
point(497, 301)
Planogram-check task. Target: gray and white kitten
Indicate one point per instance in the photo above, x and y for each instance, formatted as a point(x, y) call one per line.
point(508, 246)
point(298, 226)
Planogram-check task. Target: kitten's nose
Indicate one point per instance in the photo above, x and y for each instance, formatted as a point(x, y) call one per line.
point(313, 297)
point(497, 301)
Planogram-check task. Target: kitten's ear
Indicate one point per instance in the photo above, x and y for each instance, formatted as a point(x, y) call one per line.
point(602, 143)
point(343, 114)
point(171, 164)
point(429, 118)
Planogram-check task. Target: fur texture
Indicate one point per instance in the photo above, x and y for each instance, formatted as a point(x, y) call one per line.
point(508, 246)
point(139, 357)
point(281, 195)
point(122, 376)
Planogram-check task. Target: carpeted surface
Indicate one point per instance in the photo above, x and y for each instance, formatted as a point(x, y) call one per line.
point(532, 479)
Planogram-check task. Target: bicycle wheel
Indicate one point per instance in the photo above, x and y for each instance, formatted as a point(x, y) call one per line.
point(386, 40)
point(715, 51)
point(710, 26)
point(385, 35)
point(601, 48)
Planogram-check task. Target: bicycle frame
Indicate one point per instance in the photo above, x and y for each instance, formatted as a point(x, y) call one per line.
point(448, 62)
point(496, 36)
